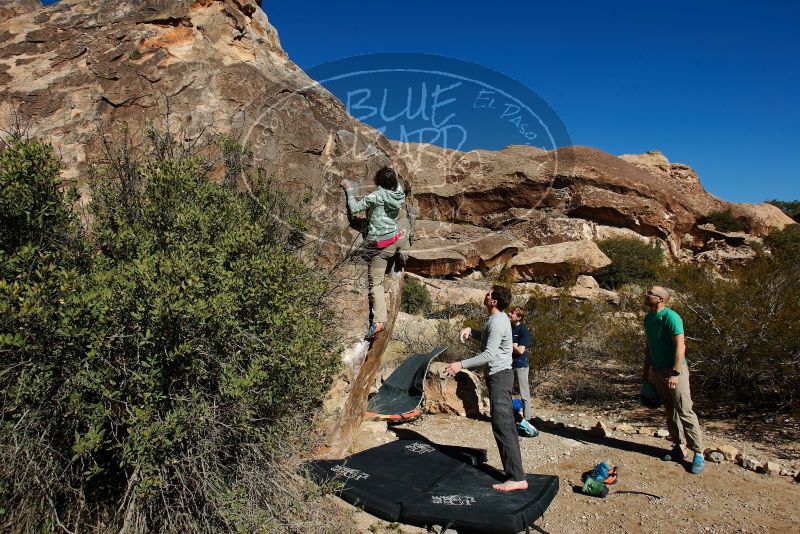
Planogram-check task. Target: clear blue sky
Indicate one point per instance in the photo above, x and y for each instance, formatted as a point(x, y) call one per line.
point(711, 84)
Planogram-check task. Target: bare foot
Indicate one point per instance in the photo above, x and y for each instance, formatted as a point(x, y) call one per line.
point(512, 485)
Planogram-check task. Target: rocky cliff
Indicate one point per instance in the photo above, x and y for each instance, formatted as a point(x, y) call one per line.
point(78, 67)
point(481, 209)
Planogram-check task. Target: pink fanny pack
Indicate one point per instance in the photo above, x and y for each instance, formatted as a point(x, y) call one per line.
point(383, 243)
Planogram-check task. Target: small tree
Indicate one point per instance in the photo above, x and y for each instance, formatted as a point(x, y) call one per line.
point(632, 262)
point(416, 297)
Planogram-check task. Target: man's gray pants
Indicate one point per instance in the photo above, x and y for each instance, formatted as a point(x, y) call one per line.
point(524, 390)
point(503, 425)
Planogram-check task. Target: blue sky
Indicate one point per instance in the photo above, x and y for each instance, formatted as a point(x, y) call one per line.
point(711, 84)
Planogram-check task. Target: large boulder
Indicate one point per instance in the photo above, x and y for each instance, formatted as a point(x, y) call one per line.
point(462, 395)
point(761, 219)
point(76, 69)
point(454, 292)
point(491, 188)
point(442, 248)
point(561, 259)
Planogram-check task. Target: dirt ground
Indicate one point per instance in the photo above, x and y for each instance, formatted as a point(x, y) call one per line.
point(726, 498)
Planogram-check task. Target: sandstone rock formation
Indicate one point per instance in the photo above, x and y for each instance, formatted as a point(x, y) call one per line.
point(75, 69)
point(471, 292)
point(442, 248)
point(480, 187)
point(561, 259)
point(463, 396)
point(761, 219)
point(569, 194)
point(12, 8)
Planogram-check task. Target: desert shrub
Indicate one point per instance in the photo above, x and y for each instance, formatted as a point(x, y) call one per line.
point(742, 332)
point(156, 383)
point(632, 262)
point(785, 245)
point(790, 208)
point(416, 298)
point(557, 327)
point(726, 221)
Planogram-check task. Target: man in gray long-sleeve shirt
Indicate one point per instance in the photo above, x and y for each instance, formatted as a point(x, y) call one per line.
point(496, 344)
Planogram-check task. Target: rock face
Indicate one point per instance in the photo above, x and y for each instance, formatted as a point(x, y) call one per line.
point(560, 260)
point(570, 194)
point(442, 248)
point(73, 67)
point(483, 187)
point(761, 219)
point(462, 396)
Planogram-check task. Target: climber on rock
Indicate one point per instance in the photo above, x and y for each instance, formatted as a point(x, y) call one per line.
point(383, 238)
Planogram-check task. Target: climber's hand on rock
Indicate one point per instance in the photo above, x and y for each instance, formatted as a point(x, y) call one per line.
point(346, 184)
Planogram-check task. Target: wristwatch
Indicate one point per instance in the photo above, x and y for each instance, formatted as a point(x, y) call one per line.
point(674, 372)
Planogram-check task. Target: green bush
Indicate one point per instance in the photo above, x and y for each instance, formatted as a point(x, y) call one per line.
point(632, 262)
point(790, 208)
point(152, 373)
point(416, 297)
point(557, 327)
point(726, 221)
point(742, 333)
point(785, 245)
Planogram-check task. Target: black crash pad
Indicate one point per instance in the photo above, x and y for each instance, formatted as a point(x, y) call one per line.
point(422, 483)
point(402, 391)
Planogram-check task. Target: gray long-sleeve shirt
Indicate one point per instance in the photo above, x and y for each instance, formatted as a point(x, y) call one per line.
point(496, 343)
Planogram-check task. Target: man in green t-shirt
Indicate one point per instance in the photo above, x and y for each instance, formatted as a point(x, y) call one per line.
point(665, 366)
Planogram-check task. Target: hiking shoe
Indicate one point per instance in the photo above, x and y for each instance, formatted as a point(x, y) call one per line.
point(698, 464)
point(675, 455)
point(374, 329)
point(527, 429)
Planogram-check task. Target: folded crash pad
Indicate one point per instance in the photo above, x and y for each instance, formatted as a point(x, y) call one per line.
point(424, 484)
point(401, 393)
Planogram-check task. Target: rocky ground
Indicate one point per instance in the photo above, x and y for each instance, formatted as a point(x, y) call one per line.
point(664, 496)
point(725, 498)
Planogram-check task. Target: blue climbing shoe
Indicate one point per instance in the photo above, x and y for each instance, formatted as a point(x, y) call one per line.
point(675, 455)
point(527, 429)
point(698, 464)
point(374, 329)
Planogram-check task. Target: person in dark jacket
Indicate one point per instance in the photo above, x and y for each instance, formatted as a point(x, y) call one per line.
point(520, 353)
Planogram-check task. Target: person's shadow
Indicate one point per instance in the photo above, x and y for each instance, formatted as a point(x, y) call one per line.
point(586, 436)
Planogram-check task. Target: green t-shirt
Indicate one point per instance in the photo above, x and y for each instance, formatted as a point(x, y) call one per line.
point(660, 328)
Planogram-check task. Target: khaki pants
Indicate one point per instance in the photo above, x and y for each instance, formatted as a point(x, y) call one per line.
point(682, 422)
point(376, 273)
point(521, 373)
